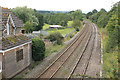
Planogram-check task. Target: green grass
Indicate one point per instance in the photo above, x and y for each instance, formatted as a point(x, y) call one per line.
point(70, 23)
point(20, 77)
point(34, 64)
point(53, 48)
point(110, 60)
point(62, 31)
point(46, 26)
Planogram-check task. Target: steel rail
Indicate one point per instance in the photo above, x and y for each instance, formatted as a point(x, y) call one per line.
point(79, 59)
point(75, 40)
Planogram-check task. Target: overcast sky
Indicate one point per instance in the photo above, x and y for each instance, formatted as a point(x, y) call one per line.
point(60, 5)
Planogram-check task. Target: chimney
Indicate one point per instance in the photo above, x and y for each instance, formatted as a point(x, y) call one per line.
point(0, 28)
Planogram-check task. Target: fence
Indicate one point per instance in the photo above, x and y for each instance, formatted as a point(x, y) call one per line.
point(45, 33)
point(69, 33)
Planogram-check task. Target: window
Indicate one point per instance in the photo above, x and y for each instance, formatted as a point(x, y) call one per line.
point(19, 55)
point(23, 31)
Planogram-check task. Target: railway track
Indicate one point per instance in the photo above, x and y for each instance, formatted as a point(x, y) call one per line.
point(47, 73)
point(53, 70)
point(84, 58)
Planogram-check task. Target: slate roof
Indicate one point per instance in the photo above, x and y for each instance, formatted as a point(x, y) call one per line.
point(14, 40)
point(5, 14)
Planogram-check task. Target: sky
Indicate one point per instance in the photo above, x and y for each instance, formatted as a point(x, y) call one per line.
point(60, 5)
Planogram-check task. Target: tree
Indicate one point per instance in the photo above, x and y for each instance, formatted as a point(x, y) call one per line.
point(40, 21)
point(77, 15)
point(28, 27)
point(88, 15)
point(103, 20)
point(58, 18)
point(76, 23)
point(23, 13)
point(38, 49)
point(113, 28)
point(94, 11)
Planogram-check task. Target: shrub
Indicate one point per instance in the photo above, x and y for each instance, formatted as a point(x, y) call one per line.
point(71, 35)
point(77, 29)
point(38, 49)
point(56, 36)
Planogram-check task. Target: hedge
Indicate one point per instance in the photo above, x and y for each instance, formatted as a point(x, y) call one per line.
point(38, 49)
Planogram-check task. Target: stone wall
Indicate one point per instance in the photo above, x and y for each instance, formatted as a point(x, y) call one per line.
point(0, 27)
point(12, 67)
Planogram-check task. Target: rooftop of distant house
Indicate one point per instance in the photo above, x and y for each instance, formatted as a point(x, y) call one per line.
point(55, 26)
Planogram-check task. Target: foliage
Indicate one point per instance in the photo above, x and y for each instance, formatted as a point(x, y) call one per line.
point(77, 29)
point(57, 18)
point(38, 49)
point(109, 22)
point(112, 28)
point(28, 14)
point(62, 18)
point(76, 23)
point(110, 65)
point(40, 20)
point(94, 15)
point(103, 20)
point(56, 36)
point(28, 27)
point(94, 11)
point(77, 15)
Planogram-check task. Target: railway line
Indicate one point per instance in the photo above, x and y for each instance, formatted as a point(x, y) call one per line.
point(74, 59)
point(82, 64)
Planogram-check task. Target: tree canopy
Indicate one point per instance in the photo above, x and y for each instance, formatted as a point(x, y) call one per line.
point(28, 14)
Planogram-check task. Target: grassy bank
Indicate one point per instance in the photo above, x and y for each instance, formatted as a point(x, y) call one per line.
point(53, 48)
point(110, 60)
point(62, 31)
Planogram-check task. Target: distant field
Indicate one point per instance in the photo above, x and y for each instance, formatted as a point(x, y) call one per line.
point(46, 26)
point(62, 31)
point(70, 23)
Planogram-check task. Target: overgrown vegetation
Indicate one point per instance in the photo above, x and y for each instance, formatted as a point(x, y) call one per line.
point(38, 49)
point(56, 37)
point(109, 28)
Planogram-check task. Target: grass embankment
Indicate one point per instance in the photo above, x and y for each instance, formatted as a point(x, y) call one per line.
point(53, 48)
point(110, 60)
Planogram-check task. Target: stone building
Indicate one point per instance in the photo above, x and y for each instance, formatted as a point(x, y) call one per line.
point(15, 47)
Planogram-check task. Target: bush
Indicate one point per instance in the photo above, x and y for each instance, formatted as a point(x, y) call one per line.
point(77, 29)
point(38, 49)
point(56, 36)
point(71, 35)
